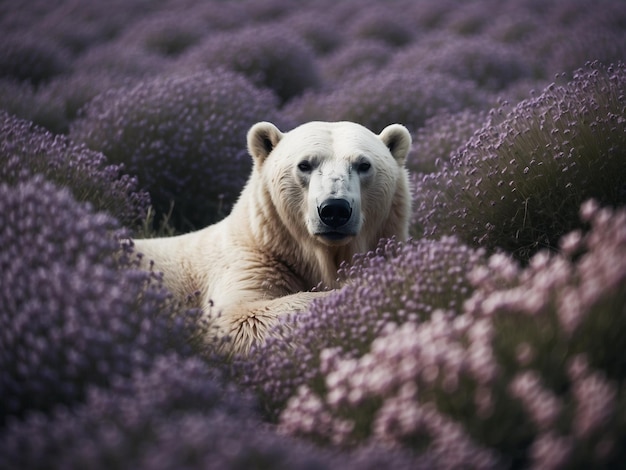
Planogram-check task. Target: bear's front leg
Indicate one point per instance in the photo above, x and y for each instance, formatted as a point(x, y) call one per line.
point(250, 323)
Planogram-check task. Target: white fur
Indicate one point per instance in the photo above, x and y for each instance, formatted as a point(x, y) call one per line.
point(261, 261)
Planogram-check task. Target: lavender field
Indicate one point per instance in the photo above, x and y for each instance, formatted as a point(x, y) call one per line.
point(494, 338)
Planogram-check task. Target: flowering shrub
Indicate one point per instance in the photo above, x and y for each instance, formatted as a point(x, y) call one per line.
point(355, 60)
point(441, 136)
point(78, 25)
point(270, 57)
point(117, 58)
point(586, 45)
point(22, 100)
point(317, 28)
point(26, 150)
point(529, 375)
point(381, 23)
point(70, 318)
point(25, 58)
point(178, 414)
point(70, 93)
point(376, 100)
point(516, 27)
point(397, 283)
point(490, 64)
point(168, 34)
point(184, 137)
point(518, 182)
point(468, 19)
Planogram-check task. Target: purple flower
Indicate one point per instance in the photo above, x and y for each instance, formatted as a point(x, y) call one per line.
point(441, 136)
point(518, 182)
point(26, 150)
point(70, 316)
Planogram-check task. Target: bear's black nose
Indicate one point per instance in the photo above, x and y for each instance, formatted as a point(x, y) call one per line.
point(335, 212)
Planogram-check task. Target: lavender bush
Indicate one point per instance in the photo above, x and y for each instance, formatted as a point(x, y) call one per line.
point(586, 45)
point(168, 33)
point(70, 317)
point(440, 137)
point(184, 137)
point(270, 57)
point(518, 182)
point(490, 64)
point(67, 95)
point(374, 101)
point(318, 29)
point(22, 100)
point(468, 19)
point(178, 414)
point(514, 381)
point(381, 23)
point(355, 60)
point(24, 57)
point(117, 58)
point(26, 150)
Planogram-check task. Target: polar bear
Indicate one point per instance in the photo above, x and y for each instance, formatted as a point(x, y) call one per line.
point(317, 195)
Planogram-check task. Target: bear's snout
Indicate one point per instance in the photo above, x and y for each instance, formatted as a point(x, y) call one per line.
point(335, 212)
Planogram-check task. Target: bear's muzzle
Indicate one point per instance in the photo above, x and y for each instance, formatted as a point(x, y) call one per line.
point(335, 213)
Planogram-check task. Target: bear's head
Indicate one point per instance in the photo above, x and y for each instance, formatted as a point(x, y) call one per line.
point(335, 183)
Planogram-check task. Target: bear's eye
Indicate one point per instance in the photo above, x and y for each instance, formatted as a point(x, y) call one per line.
point(305, 166)
point(364, 167)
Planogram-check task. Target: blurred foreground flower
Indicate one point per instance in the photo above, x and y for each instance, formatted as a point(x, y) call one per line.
point(70, 317)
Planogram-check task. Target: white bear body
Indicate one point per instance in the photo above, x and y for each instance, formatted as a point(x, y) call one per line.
point(316, 196)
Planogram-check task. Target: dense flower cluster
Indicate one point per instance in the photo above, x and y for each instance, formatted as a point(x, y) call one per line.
point(270, 57)
point(26, 150)
point(513, 380)
point(184, 137)
point(69, 316)
point(396, 283)
point(518, 182)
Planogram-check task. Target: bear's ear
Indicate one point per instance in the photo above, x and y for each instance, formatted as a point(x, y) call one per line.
point(262, 138)
point(398, 140)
